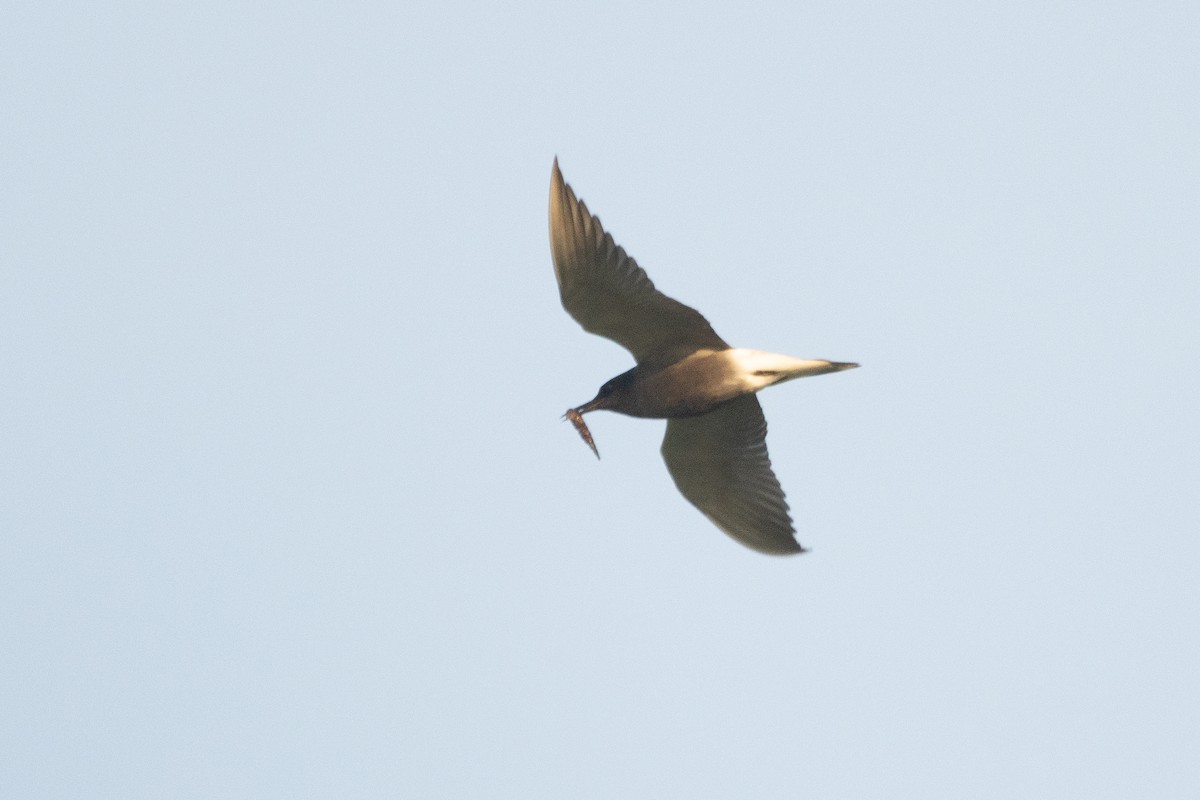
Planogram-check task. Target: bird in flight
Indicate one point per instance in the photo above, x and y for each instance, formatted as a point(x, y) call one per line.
point(716, 441)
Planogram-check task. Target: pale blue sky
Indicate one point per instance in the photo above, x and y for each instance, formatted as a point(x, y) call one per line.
point(288, 509)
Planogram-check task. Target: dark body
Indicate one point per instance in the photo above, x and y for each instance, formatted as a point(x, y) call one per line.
point(691, 386)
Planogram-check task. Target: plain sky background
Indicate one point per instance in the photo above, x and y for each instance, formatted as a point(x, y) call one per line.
point(286, 506)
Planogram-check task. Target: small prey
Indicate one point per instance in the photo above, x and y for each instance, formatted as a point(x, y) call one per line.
point(581, 426)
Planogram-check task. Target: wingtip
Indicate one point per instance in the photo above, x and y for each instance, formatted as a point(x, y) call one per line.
point(558, 186)
point(775, 546)
point(777, 549)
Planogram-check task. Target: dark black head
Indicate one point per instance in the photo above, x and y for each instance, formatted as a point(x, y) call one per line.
point(611, 393)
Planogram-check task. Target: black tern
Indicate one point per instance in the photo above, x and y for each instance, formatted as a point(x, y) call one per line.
point(716, 441)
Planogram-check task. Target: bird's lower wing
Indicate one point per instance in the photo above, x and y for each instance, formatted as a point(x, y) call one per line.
point(719, 462)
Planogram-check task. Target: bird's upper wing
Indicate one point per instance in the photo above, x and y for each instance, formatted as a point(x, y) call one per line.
point(719, 462)
point(610, 295)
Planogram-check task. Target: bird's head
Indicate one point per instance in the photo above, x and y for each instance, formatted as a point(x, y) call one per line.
point(614, 395)
point(606, 398)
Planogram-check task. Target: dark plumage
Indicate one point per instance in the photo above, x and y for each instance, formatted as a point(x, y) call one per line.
point(715, 447)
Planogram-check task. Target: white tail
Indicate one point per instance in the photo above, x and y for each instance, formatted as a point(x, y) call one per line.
point(759, 369)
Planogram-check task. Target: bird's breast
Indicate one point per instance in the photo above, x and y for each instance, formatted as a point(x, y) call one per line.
point(694, 385)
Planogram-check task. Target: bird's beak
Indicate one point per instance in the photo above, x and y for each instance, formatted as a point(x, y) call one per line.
point(595, 404)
